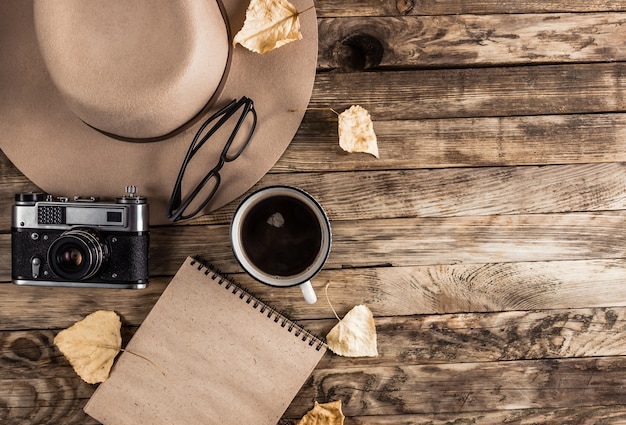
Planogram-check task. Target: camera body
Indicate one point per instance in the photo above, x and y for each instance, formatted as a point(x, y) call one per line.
point(80, 243)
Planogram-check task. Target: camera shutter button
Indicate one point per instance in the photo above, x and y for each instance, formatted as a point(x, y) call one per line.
point(35, 266)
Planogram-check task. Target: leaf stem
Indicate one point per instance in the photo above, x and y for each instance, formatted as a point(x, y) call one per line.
point(329, 303)
point(334, 312)
point(119, 349)
point(146, 359)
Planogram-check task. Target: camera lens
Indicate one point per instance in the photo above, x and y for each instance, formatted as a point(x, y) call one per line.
point(70, 258)
point(77, 254)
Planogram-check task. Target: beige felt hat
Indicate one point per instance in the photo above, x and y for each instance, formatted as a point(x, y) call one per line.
point(96, 96)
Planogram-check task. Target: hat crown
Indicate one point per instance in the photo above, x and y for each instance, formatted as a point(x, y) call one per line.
point(138, 69)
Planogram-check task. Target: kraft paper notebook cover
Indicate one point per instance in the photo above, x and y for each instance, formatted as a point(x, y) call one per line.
point(218, 355)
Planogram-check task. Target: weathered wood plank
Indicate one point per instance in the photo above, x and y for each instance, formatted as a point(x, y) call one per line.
point(424, 241)
point(47, 404)
point(470, 40)
point(615, 415)
point(497, 337)
point(581, 187)
point(472, 92)
point(332, 8)
point(467, 387)
point(423, 339)
point(580, 416)
point(402, 242)
point(388, 291)
point(411, 241)
point(397, 291)
point(437, 143)
point(468, 191)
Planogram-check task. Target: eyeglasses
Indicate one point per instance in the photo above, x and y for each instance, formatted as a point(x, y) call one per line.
point(243, 111)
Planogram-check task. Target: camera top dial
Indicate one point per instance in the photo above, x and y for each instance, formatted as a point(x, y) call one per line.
point(131, 197)
point(30, 198)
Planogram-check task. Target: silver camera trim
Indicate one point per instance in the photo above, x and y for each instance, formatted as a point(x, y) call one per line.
point(84, 214)
point(116, 285)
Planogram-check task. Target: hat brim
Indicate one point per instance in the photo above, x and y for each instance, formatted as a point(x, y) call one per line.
point(66, 157)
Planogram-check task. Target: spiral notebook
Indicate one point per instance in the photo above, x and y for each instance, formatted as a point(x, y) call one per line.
point(209, 352)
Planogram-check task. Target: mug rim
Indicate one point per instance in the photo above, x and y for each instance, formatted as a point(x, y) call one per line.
point(254, 272)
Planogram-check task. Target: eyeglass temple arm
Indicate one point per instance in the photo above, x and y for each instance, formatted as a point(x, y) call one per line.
point(178, 214)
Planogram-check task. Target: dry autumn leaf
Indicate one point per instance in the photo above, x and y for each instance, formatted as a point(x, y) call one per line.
point(356, 131)
point(355, 334)
point(269, 24)
point(324, 414)
point(91, 345)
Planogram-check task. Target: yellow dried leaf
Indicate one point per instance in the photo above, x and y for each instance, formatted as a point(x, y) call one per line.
point(90, 345)
point(356, 131)
point(269, 24)
point(324, 414)
point(354, 335)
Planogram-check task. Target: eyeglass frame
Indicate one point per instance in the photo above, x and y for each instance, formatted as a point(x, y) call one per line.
point(177, 205)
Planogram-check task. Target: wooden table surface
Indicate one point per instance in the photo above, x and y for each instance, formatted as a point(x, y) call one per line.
point(488, 239)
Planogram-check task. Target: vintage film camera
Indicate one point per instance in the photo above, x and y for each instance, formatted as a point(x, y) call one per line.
point(84, 242)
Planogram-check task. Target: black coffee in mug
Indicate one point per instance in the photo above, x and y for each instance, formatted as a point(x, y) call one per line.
point(281, 236)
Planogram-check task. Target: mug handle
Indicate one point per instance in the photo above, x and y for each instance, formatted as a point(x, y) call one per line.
point(308, 293)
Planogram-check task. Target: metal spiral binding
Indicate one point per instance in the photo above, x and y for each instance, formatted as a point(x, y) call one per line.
point(216, 275)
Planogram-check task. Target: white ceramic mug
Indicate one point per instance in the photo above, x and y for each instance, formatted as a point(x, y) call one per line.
point(281, 237)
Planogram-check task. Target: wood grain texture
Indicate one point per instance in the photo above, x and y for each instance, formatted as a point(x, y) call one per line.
point(417, 193)
point(44, 401)
point(424, 241)
point(579, 416)
point(475, 142)
point(388, 291)
point(428, 143)
point(369, 8)
point(472, 92)
point(399, 291)
point(470, 40)
point(424, 339)
point(584, 415)
point(492, 337)
point(32, 307)
point(467, 387)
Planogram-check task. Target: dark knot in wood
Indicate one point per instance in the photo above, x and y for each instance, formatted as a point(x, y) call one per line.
point(359, 52)
point(26, 349)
